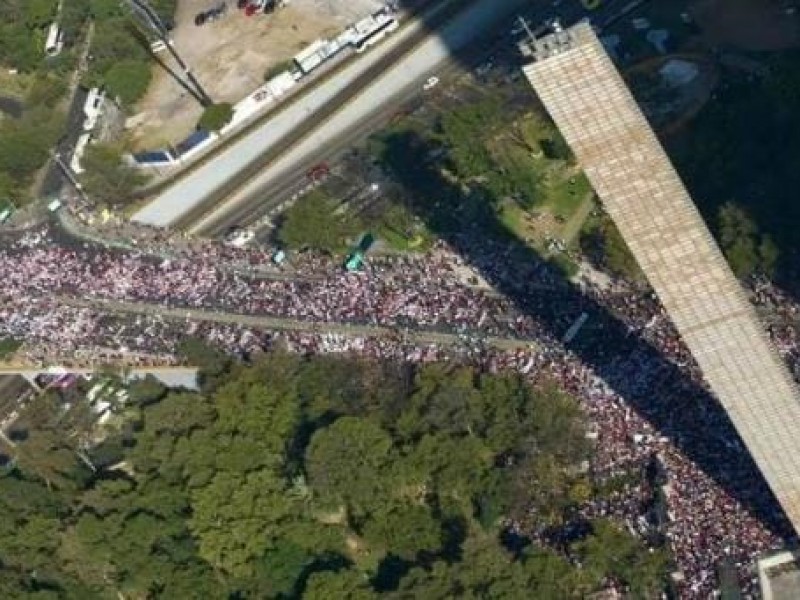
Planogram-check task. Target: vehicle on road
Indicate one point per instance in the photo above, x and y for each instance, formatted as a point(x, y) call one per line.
point(238, 237)
point(430, 83)
point(355, 260)
point(318, 171)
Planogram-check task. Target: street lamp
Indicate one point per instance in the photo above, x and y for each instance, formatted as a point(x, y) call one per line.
point(150, 20)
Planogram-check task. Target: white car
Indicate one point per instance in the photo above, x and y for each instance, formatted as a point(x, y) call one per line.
point(238, 238)
point(430, 83)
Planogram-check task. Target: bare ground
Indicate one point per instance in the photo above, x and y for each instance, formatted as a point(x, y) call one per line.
point(230, 57)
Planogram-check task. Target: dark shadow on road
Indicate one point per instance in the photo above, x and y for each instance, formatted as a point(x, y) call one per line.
point(677, 405)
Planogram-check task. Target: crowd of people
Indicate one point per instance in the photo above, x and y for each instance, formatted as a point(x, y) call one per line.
point(643, 395)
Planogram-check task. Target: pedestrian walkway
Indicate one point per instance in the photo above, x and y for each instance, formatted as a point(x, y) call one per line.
point(285, 324)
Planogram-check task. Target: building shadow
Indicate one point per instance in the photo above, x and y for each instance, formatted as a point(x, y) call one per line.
point(725, 158)
point(676, 403)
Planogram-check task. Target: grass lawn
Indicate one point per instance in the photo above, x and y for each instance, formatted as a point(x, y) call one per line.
point(420, 242)
point(15, 86)
point(566, 194)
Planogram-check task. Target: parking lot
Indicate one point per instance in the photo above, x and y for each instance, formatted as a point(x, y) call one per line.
point(230, 56)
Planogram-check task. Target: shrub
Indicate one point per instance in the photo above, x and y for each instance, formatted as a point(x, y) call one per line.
point(216, 116)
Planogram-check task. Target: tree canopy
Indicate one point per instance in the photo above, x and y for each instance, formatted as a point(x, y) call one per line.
point(314, 223)
point(308, 477)
point(106, 178)
point(216, 116)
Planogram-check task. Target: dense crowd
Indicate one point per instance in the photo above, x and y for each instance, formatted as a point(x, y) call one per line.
point(653, 422)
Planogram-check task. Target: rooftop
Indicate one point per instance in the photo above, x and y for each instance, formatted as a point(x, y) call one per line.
point(559, 40)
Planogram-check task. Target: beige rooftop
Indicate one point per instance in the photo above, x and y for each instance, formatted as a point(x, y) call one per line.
point(600, 120)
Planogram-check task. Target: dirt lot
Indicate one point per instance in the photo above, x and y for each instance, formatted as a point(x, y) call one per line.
point(749, 24)
point(230, 56)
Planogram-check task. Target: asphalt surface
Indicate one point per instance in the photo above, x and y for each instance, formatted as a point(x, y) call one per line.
point(286, 324)
point(370, 110)
point(340, 103)
point(281, 146)
point(380, 87)
point(193, 194)
point(263, 194)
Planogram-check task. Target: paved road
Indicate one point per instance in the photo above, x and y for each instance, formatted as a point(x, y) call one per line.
point(265, 192)
point(373, 107)
point(193, 192)
point(285, 324)
point(382, 69)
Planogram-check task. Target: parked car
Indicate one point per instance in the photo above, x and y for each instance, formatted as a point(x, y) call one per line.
point(318, 171)
point(212, 14)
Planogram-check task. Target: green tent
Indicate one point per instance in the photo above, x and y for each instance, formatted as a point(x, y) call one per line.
point(354, 261)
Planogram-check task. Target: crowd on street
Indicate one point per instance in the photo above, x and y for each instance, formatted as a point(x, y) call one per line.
point(649, 413)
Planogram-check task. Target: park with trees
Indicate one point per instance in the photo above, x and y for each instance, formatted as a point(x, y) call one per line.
point(119, 62)
point(313, 477)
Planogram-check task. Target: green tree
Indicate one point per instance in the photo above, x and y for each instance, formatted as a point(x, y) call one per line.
point(19, 48)
point(457, 468)
point(25, 144)
point(46, 91)
point(611, 552)
point(618, 257)
point(146, 390)
point(313, 222)
point(279, 572)
point(216, 116)
point(556, 148)
point(464, 131)
point(127, 80)
point(104, 10)
point(604, 245)
point(345, 584)
point(47, 454)
point(442, 401)
point(39, 13)
point(351, 460)
point(405, 531)
point(746, 249)
point(260, 418)
point(8, 346)
point(107, 179)
point(237, 518)
point(213, 363)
